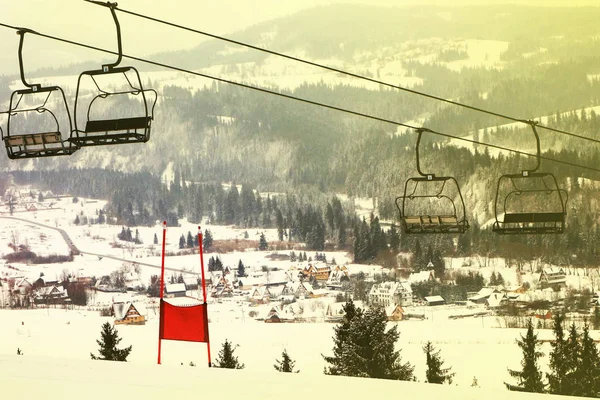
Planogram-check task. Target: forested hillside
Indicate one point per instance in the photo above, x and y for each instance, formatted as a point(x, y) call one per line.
point(538, 62)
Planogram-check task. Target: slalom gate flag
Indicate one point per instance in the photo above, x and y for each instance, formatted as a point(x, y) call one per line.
point(184, 318)
point(187, 323)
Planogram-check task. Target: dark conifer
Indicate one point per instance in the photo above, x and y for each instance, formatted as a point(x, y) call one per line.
point(286, 364)
point(108, 345)
point(435, 373)
point(529, 379)
point(226, 358)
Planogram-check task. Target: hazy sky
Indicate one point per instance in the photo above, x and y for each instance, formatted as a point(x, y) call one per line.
point(82, 21)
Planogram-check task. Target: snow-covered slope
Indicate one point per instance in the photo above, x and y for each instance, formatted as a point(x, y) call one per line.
point(56, 378)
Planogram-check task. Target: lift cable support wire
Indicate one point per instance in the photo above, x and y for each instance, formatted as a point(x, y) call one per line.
point(307, 101)
point(365, 78)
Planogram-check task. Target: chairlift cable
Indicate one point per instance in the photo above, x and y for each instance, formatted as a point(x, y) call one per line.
point(303, 100)
point(337, 70)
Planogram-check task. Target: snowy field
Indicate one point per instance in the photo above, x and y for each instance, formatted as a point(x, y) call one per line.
point(473, 347)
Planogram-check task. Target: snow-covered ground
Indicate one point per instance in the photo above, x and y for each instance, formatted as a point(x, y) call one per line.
point(474, 347)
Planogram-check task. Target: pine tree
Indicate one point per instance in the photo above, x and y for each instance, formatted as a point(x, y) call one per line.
point(596, 318)
point(241, 270)
point(190, 240)
point(573, 377)
point(226, 359)
point(366, 349)
point(77, 222)
point(286, 364)
point(558, 367)
point(155, 239)
point(341, 337)
point(435, 373)
point(207, 240)
point(262, 244)
point(529, 379)
point(588, 367)
point(182, 242)
point(108, 345)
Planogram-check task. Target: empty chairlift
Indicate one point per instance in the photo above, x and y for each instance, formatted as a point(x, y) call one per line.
point(431, 204)
point(530, 202)
point(39, 121)
point(111, 104)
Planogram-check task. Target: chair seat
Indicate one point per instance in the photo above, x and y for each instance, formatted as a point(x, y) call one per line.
point(112, 125)
point(33, 139)
point(533, 217)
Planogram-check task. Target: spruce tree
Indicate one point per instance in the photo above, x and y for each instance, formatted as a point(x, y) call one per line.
point(108, 345)
point(155, 239)
point(558, 367)
point(341, 335)
point(207, 241)
point(588, 367)
point(226, 359)
point(435, 373)
point(529, 379)
point(571, 361)
point(262, 244)
point(182, 242)
point(286, 364)
point(241, 270)
point(189, 240)
point(363, 348)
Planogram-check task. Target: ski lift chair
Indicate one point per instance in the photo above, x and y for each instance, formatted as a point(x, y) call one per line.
point(118, 129)
point(533, 203)
point(39, 120)
point(428, 205)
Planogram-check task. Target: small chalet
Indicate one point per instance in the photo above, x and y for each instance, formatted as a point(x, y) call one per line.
point(394, 313)
point(175, 290)
point(435, 300)
point(128, 314)
point(260, 295)
point(44, 281)
point(316, 293)
point(335, 311)
point(482, 296)
point(495, 300)
point(554, 277)
point(323, 273)
point(23, 286)
point(51, 295)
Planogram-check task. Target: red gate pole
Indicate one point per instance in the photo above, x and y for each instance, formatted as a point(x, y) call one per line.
point(162, 286)
point(204, 292)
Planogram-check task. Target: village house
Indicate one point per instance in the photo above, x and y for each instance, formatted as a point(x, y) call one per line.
point(391, 293)
point(260, 295)
point(335, 311)
point(337, 276)
point(394, 313)
point(175, 290)
point(422, 276)
point(51, 295)
point(482, 296)
point(435, 300)
point(554, 277)
point(128, 314)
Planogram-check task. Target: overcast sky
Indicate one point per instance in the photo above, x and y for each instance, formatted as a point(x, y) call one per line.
point(85, 22)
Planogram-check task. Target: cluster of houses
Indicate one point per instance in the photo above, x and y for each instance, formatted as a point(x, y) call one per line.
point(21, 292)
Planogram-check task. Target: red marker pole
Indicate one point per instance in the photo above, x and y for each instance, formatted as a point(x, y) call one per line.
point(204, 292)
point(162, 285)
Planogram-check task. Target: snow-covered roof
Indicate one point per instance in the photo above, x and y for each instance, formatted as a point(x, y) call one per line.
point(184, 301)
point(417, 277)
point(495, 299)
point(120, 309)
point(483, 293)
point(432, 299)
point(175, 287)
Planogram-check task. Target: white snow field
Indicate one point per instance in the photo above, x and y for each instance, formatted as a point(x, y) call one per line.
point(58, 378)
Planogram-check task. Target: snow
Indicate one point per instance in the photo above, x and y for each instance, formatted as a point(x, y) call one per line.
point(128, 381)
point(65, 337)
